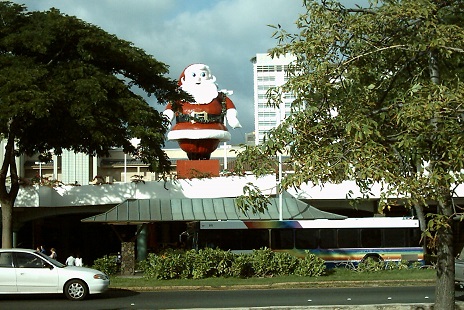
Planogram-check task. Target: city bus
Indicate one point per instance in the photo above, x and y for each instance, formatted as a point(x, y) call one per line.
point(349, 240)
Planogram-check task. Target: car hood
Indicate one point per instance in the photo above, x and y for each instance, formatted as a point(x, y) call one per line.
point(82, 269)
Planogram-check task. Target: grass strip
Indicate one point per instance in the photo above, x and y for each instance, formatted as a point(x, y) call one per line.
point(333, 278)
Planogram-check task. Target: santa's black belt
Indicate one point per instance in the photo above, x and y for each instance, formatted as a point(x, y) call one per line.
point(200, 117)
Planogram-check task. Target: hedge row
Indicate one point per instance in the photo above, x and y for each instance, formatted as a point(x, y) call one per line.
point(209, 262)
point(180, 264)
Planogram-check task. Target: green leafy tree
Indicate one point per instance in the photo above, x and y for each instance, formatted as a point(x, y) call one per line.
point(67, 84)
point(379, 99)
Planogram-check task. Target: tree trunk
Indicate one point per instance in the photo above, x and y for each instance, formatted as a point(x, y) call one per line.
point(422, 223)
point(444, 294)
point(420, 216)
point(8, 194)
point(7, 225)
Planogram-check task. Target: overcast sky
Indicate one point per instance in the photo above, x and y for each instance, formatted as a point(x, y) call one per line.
point(223, 34)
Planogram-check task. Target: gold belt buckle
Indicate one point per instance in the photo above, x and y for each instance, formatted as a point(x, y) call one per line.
point(199, 115)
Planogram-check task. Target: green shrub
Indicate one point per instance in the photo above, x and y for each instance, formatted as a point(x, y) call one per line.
point(370, 264)
point(107, 264)
point(416, 265)
point(285, 263)
point(225, 259)
point(170, 266)
point(179, 264)
point(401, 265)
point(188, 263)
point(262, 262)
point(241, 266)
point(148, 266)
point(212, 263)
point(204, 264)
point(162, 266)
point(373, 265)
point(310, 266)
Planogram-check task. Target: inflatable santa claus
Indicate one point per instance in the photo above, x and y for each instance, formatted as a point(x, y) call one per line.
point(200, 125)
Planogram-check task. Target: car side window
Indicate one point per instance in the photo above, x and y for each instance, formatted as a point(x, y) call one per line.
point(27, 260)
point(6, 260)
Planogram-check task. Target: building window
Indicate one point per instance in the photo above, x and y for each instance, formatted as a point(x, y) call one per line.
point(266, 78)
point(264, 87)
point(265, 68)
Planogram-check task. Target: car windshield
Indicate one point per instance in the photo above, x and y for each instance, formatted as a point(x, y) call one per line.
point(51, 260)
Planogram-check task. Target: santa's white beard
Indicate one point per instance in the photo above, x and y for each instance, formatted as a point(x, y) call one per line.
point(203, 93)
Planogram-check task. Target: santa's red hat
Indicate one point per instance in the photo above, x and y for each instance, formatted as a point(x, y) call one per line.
point(182, 75)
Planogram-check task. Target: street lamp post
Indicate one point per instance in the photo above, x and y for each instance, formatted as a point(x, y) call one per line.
point(279, 188)
point(225, 146)
point(280, 117)
point(125, 167)
point(40, 169)
point(135, 143)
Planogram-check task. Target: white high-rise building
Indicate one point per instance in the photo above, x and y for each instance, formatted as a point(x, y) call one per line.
point(267, 73)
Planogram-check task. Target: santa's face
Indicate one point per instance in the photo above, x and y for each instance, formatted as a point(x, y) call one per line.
point(200, 83)
point(198, 74)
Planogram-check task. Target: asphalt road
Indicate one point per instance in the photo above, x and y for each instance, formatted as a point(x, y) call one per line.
point(216, 299)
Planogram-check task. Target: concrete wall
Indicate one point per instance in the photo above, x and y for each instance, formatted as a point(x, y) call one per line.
point(67, 195)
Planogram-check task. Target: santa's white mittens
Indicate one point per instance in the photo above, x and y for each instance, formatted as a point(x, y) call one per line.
point(232, 119)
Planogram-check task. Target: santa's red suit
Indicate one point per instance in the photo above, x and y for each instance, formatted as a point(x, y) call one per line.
point(200, 127)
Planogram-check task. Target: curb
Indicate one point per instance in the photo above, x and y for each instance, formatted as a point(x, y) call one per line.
point(421, 306)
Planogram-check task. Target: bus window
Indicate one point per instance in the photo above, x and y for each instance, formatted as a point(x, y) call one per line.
point(413, 237)
point(227, 239)
point(281, 239)
point(211, 238)
point(371, 238)
point(306, 238)
point(327, 238)
point(255, 239)
point(348, 238)
point(395, 237)
point(234, 239)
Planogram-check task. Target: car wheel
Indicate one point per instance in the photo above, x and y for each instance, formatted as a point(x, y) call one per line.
point(75, 290)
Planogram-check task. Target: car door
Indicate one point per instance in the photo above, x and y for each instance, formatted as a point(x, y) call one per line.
point(7, 273)
point(34, 274)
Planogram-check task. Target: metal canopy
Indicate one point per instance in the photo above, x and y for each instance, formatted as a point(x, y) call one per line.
point(138, 211)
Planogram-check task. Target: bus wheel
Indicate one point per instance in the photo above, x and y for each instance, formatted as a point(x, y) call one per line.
point(375, 257)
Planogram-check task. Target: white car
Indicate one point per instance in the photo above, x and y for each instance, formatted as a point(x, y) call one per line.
point(25, 271)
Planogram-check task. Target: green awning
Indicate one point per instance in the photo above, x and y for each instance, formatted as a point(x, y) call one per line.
point(138, 211)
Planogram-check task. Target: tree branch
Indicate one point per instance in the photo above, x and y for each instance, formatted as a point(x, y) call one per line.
point(455, 49)
point(372, 52)
point(9, 162)
point(343, 9)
